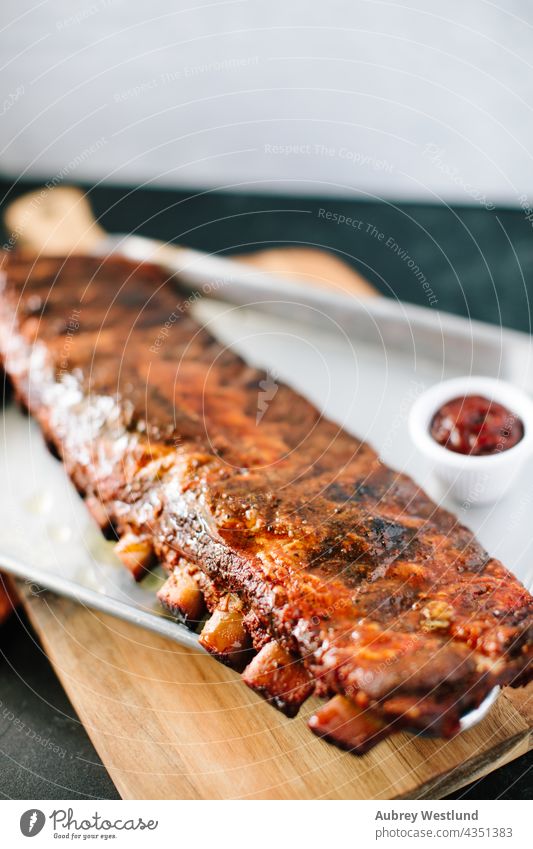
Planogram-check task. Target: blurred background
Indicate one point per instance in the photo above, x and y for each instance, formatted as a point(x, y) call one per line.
point(415, 99)
point(237, 125)
point(228, 125)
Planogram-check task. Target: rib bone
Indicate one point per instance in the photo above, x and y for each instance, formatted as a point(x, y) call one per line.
point(279, 678)
point(182, 596)
point(350, 727)
point(224, 634)
point(136, 553)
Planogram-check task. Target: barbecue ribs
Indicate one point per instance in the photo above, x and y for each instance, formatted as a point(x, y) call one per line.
point(320, 569)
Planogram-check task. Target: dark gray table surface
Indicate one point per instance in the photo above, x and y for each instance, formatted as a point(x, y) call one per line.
point(479, 263)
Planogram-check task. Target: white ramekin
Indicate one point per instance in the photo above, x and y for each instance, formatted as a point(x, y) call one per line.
point(472, 479)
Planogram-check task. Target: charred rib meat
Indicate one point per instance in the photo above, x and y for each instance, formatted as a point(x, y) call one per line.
point(301, 544)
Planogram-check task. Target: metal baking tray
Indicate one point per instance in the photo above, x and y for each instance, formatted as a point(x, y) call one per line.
point(362, 362)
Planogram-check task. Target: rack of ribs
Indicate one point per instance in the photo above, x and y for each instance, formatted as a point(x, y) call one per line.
point(303, 561)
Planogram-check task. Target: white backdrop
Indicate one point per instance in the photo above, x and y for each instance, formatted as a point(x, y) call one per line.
point(415, 99)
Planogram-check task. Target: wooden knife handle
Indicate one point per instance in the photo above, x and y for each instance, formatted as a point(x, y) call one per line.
point(57, 221)
point(60, 221)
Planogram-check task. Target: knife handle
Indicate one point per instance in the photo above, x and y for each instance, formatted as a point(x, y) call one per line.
point(57, 221)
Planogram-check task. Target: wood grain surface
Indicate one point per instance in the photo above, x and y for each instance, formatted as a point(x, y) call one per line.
point(173, 723)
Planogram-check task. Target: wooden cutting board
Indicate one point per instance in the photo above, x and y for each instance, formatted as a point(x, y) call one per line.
point(171, 723)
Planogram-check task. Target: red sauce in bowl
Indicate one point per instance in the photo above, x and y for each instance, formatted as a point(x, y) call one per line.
point(475, 425)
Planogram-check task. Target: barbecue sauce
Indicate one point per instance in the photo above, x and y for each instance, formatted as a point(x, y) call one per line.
point(475, 425)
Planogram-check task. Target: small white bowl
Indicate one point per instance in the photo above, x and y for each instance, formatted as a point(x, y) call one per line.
point(469, 478)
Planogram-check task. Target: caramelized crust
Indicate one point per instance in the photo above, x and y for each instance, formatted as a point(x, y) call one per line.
point(292, 528)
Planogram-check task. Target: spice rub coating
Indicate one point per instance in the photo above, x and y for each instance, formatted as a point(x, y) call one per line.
point(285, 521)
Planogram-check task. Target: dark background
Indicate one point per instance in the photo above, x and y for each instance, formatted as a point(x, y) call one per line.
point(478, 262)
